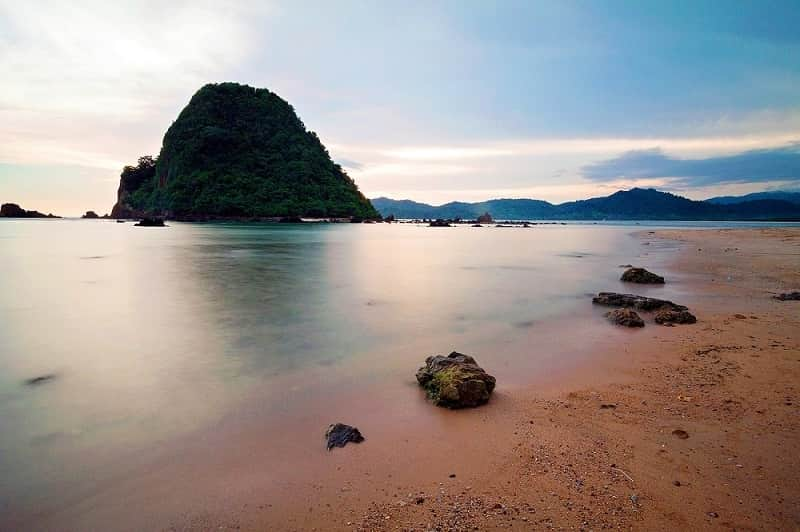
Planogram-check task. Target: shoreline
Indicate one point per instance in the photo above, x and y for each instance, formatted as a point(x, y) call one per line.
point(552, 456)
point(542, 449)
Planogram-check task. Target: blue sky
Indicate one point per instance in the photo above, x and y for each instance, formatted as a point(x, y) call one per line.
point(433, 101)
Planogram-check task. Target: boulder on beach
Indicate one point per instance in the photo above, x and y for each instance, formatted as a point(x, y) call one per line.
point(625, 317)
point(670, 316)
point(339, 435)
point(455, 381)
point(641, 276)
point(788, 296)
point(642, 303)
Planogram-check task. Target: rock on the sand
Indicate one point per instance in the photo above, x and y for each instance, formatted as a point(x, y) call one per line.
point(339, 435)
point(641, 276)
point(613, 299)
point(788, 296)
point(670, 316)
point(625, 317)
point(455, 381)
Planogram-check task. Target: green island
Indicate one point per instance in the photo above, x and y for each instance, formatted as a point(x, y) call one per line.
point(239, 152)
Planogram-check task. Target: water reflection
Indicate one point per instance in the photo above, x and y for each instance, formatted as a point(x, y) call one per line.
point(154, 333)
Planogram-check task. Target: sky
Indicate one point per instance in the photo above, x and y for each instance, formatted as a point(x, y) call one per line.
point(426, 100)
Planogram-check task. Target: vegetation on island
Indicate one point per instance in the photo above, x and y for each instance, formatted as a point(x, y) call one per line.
point(235, 152)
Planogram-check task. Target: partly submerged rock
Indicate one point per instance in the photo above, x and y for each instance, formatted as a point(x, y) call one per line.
point(788, 296)
point(339, 435)
point(671, 316)
point(625, 317)
point(41, 379)
point(151, 222)
point(613, 299)
point(455, 381)
point(641, 276)
point(90, 215)
point(439, 223)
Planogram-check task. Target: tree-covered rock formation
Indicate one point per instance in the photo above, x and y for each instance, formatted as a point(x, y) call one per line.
point(239, 152)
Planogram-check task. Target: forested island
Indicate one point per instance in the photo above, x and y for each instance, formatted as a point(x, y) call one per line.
point(238, 152)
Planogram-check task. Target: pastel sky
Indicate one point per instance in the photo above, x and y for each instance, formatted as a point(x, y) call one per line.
point(427, 100)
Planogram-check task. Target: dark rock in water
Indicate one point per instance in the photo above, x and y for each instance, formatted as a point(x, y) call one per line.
point(90, 215)
point(788, 296)
point(439, 223)
point(613, 299)
point(12, 210)
point(339, 435)
point(120, 221)
point(41, 379)
point(150, 222)
point(477, 225)
point(625, 317)
point(669, 317)
point(641, 276)
point(626, 265)
point(485, 218)
point(455, 381)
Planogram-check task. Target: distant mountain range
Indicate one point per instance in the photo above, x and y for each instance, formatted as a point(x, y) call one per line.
point(634, 204)
point(792, 197)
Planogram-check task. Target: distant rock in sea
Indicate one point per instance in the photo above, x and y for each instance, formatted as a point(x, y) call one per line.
point(150, 222)
point(90, 215)
point(12, 210)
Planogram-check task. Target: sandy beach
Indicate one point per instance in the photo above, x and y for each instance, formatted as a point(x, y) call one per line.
point(596, 449)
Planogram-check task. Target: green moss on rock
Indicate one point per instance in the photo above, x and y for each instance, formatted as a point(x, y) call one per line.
point(455, 381)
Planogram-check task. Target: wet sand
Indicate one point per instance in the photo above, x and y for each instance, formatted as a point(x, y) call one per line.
point(586, 444)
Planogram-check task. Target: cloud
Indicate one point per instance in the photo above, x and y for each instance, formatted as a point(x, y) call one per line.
point(349, 163)
point(754, 166)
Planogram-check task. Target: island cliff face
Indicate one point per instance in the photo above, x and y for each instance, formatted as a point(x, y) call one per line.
point(239, 152)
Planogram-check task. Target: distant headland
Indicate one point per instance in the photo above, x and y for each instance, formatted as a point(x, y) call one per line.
point(238, 152)
point(12, 210)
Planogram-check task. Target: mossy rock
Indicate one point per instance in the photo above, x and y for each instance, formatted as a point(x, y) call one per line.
point(455, 381)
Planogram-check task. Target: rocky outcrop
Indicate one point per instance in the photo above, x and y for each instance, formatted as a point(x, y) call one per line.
point(150, 222)
point(455, 381)
point(439, 223)
point(625, 317)
point(90, 215)
point(12, 210)
point(670, 316)
point(646, 304)
point(788, 296)
point(339, 435)
point(641, 276)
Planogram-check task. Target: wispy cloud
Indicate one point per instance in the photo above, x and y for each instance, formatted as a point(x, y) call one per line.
point(753, 166)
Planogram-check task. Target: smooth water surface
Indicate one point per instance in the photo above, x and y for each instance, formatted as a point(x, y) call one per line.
point(149, 333)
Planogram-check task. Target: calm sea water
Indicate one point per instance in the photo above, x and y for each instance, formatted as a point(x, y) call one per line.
point(151, 333)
